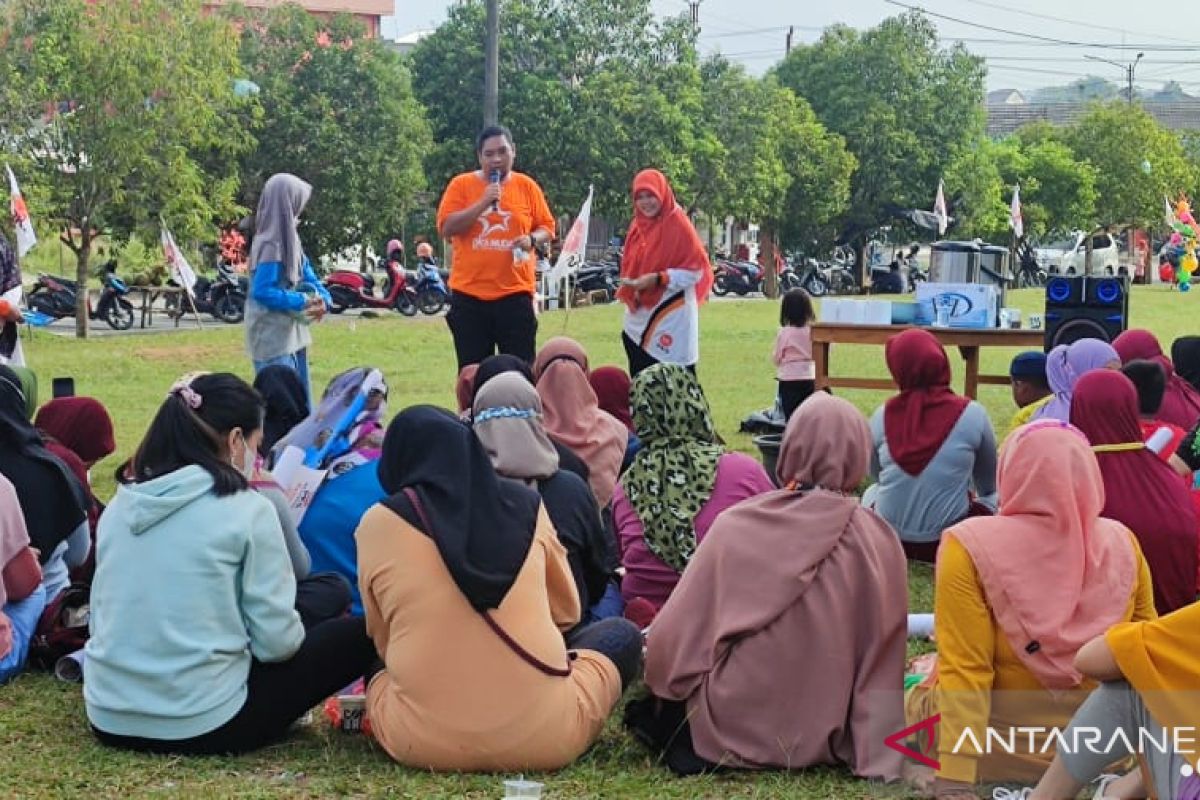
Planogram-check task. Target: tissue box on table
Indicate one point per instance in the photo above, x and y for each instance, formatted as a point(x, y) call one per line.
point(973, 305)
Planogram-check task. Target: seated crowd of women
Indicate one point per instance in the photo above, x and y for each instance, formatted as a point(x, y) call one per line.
point(496, 576)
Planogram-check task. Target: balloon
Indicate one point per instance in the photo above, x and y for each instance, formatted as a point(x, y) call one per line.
point(1186, 217)
point(1185, 287)
point(1166, 273)
point(1182, 229)
point(1175, 239)
point(1187, 264)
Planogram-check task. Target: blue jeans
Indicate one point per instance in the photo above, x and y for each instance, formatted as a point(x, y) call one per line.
point(298, 361)
point(24, 616)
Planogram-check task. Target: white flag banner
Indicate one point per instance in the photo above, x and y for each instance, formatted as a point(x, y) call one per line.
point(574, 249)
point(1169, 213)
point(26, 237)
point(181, 271)
point(939, 210)
point(1015, 221)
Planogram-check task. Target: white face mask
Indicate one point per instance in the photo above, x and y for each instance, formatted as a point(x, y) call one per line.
point(249, 461)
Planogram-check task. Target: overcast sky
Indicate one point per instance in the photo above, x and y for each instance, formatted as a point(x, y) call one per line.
point(753, 32)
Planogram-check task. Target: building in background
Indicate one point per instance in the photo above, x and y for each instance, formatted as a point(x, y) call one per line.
point(369, 12)
point(405, 44)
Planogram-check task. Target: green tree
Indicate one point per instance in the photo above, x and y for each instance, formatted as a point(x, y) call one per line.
point(1135, 159)
point(1058, 192)
point(119, 112)
point(774, 162)
point(905, 106)
point(593, 90)
point(340, 112)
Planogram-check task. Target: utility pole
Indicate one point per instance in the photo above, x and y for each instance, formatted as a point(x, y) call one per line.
point(1129, 69)
point(695, 6)
point(791, 33)
point(491, 65)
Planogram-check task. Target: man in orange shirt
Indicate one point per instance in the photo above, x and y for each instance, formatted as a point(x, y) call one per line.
point(495, 220)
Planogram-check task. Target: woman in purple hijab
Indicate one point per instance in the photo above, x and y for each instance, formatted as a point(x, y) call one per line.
point(1065, 365)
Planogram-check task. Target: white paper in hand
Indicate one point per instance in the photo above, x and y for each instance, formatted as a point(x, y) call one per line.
point(300, 483)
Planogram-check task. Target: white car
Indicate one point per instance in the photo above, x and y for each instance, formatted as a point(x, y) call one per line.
point(1105, 256)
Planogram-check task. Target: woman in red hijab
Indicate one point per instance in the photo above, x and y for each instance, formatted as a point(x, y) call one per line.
point(1181, 403)
point(79, 431)
point(1140, 491)
point(934, 450)
point(665, 275)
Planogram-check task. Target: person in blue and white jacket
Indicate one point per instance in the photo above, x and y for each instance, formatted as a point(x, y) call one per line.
point(285, 293)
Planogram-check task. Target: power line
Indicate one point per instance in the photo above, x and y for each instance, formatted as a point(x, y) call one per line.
point(1080, 23)
point(1038, 37)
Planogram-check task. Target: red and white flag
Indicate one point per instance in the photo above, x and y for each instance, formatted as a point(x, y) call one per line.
point(574, 249)
point(26, 237)
point(177, 263)
point(939, 209)
point(1014, 214)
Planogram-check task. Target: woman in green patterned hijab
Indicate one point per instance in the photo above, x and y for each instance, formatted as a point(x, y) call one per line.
point(675, 471)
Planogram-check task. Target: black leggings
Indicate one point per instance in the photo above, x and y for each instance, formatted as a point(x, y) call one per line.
point(793, 393)
point(618, 640)
point(322, 596)
point(334, 654)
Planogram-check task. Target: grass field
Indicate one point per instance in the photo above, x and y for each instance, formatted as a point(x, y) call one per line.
point(45, 750)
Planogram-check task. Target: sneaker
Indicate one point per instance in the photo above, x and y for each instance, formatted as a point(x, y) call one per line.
point(1002, 793)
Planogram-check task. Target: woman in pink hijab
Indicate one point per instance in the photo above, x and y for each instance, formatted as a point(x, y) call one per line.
point(1181, 403)
point(783, 645)
point(573, 416)
point(1016, 596)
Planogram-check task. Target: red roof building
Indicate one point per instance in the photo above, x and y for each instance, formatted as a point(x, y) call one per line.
point(370, 12)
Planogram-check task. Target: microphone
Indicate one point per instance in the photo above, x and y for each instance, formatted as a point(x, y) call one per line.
point(495, 178)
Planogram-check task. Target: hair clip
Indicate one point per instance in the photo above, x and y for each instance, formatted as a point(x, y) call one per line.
point(182, 389)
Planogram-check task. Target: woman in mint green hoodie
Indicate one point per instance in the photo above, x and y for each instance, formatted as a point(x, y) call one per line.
point(195, 646)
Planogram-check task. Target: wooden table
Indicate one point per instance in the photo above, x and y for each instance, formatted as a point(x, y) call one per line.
point(967, 340)
point(151, 293)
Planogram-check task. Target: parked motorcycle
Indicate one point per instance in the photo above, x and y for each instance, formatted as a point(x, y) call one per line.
point(353, 289)
point(839, 278)
point(55, 297)
point(810, 278)
point(432, 294)
point(739, 277)
point(223, 297)
point(598, 276)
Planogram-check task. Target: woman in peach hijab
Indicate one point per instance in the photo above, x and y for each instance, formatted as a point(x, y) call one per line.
point(784, 643)
point(1016, 595)
point(572, 414)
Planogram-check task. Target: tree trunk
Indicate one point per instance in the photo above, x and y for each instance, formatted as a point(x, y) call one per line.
point(766, 236)
point(82, 257)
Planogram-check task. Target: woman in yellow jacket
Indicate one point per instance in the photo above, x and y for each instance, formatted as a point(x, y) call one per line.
point(1151, 689)
point(1016, 596)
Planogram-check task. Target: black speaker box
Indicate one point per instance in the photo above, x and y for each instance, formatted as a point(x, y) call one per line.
point(1082, 307)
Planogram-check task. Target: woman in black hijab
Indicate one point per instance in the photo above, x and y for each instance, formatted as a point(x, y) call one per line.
point(1185, 355)
point(52, 500)
point(466, 596)
point(287, 403)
